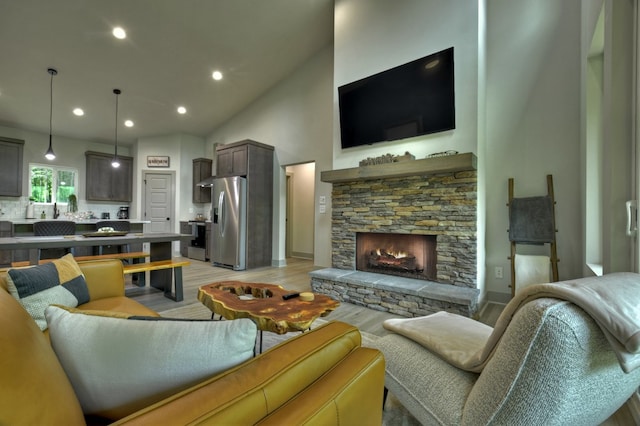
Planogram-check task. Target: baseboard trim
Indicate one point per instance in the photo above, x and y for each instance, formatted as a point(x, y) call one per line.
point(302, 255)
point(494, 296)
point(278, 263)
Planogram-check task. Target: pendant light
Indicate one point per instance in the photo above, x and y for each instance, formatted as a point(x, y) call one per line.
point(50, 154)
point(115, 163)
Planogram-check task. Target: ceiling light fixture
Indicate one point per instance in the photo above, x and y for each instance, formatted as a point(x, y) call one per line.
point(50, 155)
point(119, 33)
point(78, 111)
point(217, 75)
point(128, 123)
point(182, 110)
point(115, 163)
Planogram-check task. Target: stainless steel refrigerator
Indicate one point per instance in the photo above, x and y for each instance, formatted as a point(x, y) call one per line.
point(229, 222)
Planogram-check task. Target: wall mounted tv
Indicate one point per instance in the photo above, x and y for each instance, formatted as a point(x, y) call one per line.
point(413, 99)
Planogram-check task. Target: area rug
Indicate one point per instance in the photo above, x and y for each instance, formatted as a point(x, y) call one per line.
point(394, 413)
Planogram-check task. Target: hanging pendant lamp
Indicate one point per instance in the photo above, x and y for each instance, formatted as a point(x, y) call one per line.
point(50, 155)
point(115, 163)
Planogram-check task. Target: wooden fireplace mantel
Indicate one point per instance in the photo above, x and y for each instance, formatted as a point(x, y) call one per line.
point(427, 166)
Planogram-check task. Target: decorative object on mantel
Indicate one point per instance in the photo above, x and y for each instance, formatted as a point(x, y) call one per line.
point(386, 159)
point(157, 161)
point(442, 154)
point(50, 155)
point(423, 167)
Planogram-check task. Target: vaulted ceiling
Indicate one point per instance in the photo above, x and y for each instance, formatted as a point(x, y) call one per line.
point(166, 61)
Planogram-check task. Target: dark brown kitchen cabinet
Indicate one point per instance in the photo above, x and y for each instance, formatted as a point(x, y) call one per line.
point(232, 160)
point(254, 161)
point(6, 230)
point(185, 228)
point(207, 247)
point(11, 167)
point(106, 183)
point(201, 171)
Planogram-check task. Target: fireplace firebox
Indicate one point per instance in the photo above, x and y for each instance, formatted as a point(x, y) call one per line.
point(405, 255)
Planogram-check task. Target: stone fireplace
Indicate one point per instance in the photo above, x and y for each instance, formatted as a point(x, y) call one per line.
point(429, 207)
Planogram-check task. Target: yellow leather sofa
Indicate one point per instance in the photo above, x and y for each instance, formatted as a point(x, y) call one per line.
point(321, 377)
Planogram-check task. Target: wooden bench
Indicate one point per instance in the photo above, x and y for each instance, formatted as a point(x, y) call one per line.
point(135, 268)
point(122, 256)
point(157, 265)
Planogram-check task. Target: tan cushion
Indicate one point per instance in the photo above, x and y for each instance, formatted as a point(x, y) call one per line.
point(456, 339)
point(118, 366)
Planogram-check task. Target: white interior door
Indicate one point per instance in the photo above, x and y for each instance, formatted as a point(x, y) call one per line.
point(158, 201)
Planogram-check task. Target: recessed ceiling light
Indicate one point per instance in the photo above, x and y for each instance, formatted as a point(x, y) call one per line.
point(182, 110)
point(217, 75)
point(128, 123)
point(78, 111)
point(119, 33)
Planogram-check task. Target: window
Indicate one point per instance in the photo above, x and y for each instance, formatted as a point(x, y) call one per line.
point(52, 184)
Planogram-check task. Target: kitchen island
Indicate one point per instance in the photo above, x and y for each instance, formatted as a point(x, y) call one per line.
point(160, 248)
point(25, 226)
point(21, 227)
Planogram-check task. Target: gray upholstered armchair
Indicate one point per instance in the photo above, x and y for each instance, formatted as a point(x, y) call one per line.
point(547, 361)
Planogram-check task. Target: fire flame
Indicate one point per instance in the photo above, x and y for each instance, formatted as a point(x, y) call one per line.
point(396, 254)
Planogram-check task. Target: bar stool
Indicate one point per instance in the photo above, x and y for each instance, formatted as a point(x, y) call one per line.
point(117, 225)
point(54, 228)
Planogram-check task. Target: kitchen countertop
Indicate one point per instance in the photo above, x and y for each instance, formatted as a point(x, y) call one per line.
point(22, 221)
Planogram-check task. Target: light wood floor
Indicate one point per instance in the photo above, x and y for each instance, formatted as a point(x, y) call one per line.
point(295, 277)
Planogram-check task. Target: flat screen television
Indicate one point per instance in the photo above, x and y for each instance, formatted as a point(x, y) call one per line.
point(413, 99)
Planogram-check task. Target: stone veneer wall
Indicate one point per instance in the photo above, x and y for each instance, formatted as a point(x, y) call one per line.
point(442, 204)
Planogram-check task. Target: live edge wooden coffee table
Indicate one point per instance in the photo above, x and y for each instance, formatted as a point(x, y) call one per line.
point(263, 303)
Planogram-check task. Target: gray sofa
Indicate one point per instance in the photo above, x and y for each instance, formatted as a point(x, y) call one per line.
point(551, 365)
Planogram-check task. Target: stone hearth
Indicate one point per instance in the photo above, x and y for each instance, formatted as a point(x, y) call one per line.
point(401, 296)
point(430, 197)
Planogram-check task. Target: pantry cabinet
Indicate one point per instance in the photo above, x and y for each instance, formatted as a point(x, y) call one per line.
point(254, 161)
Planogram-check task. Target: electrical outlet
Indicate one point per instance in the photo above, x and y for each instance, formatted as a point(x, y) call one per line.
point(498, 272)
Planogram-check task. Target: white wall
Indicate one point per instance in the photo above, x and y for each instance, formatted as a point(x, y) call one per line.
point(375, 35)
point(533, 122)
point(181, 149)
point(295, 117)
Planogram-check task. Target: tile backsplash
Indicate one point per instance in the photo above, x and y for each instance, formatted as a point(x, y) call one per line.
point(16, 208)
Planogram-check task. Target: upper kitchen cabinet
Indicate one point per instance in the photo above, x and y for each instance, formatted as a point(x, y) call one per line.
point(242, 158)
point(232, 159)
point(11, 167)
point(201, 171)
point(106, 183)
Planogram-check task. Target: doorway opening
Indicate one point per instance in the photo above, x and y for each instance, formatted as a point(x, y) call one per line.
point(300, 209)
